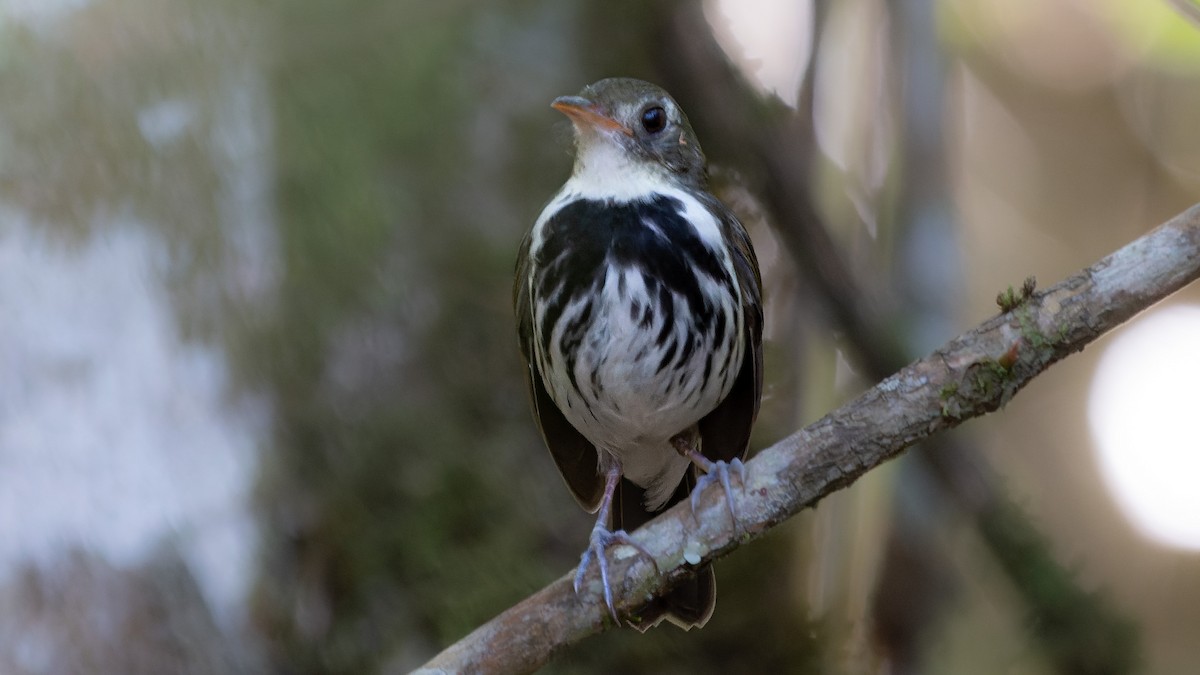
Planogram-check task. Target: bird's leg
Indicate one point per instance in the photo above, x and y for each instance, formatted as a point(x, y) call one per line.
point(687, 444)
point(602, 537)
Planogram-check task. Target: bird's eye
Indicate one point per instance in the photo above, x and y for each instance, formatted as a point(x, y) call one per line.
point(654, 119)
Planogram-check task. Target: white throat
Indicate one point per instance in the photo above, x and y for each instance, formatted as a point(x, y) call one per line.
point(604, 170)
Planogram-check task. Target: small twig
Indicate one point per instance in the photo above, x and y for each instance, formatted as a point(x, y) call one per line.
point(1188, 9)
point(965, 378)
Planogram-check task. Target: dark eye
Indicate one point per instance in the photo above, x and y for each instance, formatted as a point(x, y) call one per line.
point(654, 119)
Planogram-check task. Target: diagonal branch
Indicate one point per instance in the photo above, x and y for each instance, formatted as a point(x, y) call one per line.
point(971, 375)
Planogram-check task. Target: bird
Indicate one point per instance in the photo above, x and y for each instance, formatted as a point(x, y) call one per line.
point(638, 303)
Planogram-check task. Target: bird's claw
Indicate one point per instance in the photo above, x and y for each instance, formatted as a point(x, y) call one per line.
point(598, 542)
point(719, 470)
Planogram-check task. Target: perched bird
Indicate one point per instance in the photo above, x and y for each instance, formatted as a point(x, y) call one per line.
point(639, 314)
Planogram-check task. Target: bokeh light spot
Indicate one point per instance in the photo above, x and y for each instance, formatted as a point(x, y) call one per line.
point(1143, 411)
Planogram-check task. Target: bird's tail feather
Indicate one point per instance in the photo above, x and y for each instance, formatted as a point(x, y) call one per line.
point(688, 605)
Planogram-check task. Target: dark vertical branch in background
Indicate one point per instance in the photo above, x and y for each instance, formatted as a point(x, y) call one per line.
point(776, 146)
point(1078, 631)
point(916, 580)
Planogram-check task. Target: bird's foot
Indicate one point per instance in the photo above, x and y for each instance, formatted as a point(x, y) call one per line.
point(600, 539)
point(719, 471)
point(713, 470)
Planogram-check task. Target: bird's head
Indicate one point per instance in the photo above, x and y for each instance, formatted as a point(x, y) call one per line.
point(630, 128)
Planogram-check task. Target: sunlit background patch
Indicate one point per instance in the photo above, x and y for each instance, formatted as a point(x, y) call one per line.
point(1144, 413)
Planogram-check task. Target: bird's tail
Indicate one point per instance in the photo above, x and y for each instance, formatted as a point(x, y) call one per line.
point(688, 605)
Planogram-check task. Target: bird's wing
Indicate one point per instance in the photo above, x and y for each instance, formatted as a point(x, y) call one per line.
point(575, 455)
point(725, 432)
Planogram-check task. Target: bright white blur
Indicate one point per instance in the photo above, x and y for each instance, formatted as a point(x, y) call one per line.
point(1143, 411)
point(116, 433)
point(768, 40)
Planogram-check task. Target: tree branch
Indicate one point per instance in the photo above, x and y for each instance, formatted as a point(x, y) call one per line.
point(969, 376)
point(1187, 9)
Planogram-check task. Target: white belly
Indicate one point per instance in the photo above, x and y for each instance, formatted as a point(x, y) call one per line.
point(637, 382)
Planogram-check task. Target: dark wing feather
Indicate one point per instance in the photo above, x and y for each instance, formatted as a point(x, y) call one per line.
point(725, 432)
point(574, 454)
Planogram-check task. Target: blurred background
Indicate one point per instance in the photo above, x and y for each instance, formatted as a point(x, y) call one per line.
point(260, 399)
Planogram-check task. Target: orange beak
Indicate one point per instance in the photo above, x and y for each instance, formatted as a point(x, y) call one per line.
point(584, 112)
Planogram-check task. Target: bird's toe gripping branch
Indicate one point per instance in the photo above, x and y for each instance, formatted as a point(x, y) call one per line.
point(713, 471)
point(719, 471)
point(598, 543)
point(602, 538)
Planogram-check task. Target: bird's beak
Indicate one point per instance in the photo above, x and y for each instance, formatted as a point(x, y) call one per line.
point(584, 113)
